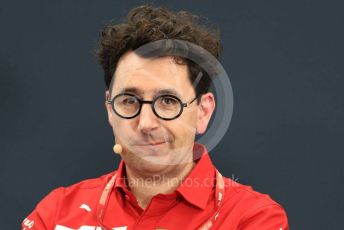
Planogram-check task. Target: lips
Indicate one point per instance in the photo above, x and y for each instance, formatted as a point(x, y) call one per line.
point(152, 143)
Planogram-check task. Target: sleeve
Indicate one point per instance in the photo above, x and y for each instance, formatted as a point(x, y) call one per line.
point(43, 216)
point(270, 217)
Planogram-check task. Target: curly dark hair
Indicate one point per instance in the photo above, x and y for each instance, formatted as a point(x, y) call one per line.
point(148, 24)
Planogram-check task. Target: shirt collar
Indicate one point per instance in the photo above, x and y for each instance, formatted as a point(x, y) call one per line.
point(196, 187)
point(121, 177)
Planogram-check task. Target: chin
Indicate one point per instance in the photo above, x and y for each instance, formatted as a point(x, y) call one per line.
point(148, 167)
point(155, 163)
point(154, 160)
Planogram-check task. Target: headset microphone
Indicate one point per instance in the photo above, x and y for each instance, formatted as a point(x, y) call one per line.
point(117, 148)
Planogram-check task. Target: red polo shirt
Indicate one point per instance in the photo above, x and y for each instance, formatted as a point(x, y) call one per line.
point(189, 207)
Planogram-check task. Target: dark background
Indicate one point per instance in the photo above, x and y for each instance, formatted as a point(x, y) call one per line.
point(285, 61)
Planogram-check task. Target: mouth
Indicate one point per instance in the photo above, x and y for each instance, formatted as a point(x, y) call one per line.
point(152, 149)
point(152, 143)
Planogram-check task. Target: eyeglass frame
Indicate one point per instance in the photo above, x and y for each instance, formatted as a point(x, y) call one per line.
point(141, 102)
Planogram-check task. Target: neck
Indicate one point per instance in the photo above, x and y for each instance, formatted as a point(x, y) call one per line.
point(144, 185)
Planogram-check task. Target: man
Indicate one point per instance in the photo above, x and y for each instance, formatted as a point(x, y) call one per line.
point(156, 104)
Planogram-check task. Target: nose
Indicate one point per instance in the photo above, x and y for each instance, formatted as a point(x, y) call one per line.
point(147, 119)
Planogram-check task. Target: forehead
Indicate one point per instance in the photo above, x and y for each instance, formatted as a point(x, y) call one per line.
point(149, 76)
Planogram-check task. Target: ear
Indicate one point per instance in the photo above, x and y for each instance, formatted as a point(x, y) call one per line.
point(205, 110)
point(108, 106)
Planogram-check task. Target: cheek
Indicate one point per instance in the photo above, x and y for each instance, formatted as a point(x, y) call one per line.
point(189, 121)
point(184, 130)
point(121, 128)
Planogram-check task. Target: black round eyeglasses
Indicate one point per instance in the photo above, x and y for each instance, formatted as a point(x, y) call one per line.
point(165, 107)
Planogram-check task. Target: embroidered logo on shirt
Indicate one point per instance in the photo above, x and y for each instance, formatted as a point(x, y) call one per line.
point(86, 207)
point(28, 223)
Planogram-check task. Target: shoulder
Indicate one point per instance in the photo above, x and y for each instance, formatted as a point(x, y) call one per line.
point(89, 184)
point(82, 188)
point(247, 194)
point(255, 210)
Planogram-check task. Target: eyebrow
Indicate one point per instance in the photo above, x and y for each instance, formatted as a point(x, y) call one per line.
point(140, 92)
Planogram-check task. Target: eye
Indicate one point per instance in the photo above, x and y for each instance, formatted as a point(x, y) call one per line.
point(169, 101)
point(126, 100)
point(129, 101)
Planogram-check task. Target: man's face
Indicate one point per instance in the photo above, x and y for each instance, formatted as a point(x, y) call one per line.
point(151, 144)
